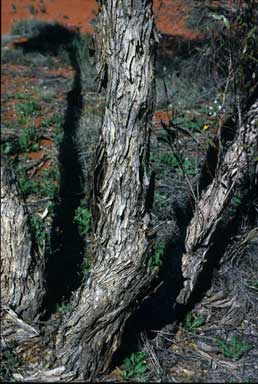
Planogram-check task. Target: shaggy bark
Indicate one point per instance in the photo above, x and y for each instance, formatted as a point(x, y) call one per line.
point(91, 334)
point(231, 173)
point(21, 265)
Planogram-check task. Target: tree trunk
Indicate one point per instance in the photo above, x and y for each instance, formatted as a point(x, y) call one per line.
point(91, 334)
point(231, 173)
point(22, 265)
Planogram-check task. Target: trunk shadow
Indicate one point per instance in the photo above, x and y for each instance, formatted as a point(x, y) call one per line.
point(67, 247)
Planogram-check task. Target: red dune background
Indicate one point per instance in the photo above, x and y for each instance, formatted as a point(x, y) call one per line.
point(169, 14)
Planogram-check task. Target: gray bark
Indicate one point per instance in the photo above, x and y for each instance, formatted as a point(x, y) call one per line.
point(231, 173)
point(91, 334)
point(22, 266)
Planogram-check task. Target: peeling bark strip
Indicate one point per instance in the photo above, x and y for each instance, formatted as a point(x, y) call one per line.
point(21, 270)
point(231, 173)
point(91, 333)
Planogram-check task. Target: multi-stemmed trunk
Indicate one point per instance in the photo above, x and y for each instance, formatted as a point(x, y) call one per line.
point(88, 335)
point(91, 332)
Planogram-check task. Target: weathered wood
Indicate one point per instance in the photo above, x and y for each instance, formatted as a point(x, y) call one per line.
point(22, 266)
point(231, 173)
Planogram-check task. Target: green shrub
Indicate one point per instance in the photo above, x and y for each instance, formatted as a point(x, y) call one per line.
point(135, 366)
point(234, 348)
point(82, 218)
point(8, 148)
point(28, 108)
point(27, 140)
point(155, 259)
point(56, 120)
point(44, 187)
point(38, 230)
point(182, 165)
point(63, 307)
point(192, 322)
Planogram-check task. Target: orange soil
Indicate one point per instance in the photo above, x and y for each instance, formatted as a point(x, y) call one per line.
point(170, 14)
point(158, 116)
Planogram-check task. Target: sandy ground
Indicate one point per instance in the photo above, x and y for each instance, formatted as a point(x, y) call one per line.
point(170, 14)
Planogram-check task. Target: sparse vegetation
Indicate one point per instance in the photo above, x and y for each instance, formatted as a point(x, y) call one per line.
point(233, 348)
point(46, 186)
point(192, 323)
point(82, 217)
point(38, 230)
point(55, 120)
point(155, 259)
point(28, 108)
point(135, 366)
point(28, 140)
point(63, 307)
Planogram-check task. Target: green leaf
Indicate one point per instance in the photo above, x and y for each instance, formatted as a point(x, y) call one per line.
point(142, 369)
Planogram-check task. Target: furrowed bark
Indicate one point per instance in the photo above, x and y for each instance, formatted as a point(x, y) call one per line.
point(22, 267)
point(231, 173)
point(91, 333)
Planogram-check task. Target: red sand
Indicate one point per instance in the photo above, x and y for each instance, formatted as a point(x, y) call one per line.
point(170, 14)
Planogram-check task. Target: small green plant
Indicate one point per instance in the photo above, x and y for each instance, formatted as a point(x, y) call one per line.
point(8, 148)
point(27, 140)
point(182, 165)
point(159, 198)
point(56, 120)
point(82, 218)
point(234, 348)
point(28, 108)
point(188, 167)
point(186, 122)
point(169, 159)
point(38, 230)
point(27, 185)
point(135, 366)
point(22, 95)
point(45, 187)
point(63, 307)
point(58, 138)
point(48, 186)
point(155, 259)
point(192, 322)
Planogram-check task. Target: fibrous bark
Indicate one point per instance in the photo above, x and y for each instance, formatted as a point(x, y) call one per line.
point(22, 266)
point(91, 331)
point(91, 334)
point(231, 173)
